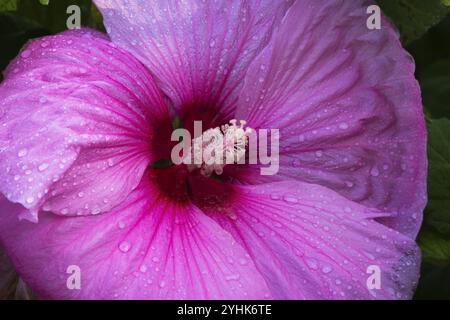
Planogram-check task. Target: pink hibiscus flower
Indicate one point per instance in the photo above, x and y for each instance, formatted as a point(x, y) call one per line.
point(84, 117)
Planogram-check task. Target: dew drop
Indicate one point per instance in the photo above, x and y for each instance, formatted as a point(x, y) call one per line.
point(311, 263)
point(290, 199)
point(22, 153)
point(43, 167)
point(274, 197)
point(232, 277)
point(25, 54)
point(124, 246)
point(374, 172)
point(143, 269)
point(343, 126)
point(326, 269)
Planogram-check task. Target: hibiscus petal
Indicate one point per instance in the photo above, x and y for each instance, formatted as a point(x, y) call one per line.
point(311, 243)
point(347, 105)
point(74, 112)
point(199, 50)
point(145, 248)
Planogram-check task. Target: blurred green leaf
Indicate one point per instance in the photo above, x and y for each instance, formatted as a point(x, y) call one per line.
point(413, 17)
point(434, 282)
point(8, 5)
point(435, 246)
point(53, 16)
point(15, 31)
point(435, 83)
point(438, 209)
point(96, 19)
point(432, 47)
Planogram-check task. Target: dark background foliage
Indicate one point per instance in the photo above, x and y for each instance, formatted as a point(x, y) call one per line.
point(424, 27)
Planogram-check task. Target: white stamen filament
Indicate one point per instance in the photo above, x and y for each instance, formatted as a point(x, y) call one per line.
point(218, 147)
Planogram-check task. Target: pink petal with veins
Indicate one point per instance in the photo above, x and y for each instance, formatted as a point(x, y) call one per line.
point(76, 111)
point(348, 108)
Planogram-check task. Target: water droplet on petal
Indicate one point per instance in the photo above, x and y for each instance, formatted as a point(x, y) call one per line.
point(374, 172)
point(143, 269)
point(327, 269)
point(349, 184)
point(290, 199)
point(22, 153)
point(274, 197)
point(232, 277)
point(25, 54)
point(43, 167)
point(124, 246)
point(343, 126)
point(311, 263)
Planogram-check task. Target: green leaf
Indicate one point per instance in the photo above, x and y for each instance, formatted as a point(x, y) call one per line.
point(438, 210)
point(96, 19)
point(435, 83)
point(176, 123)
point(161, 164)
point(8, 5)
point(15, 31)
point(434, 282)
point(53, 14)
point(413, 17)
point(435, 246)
